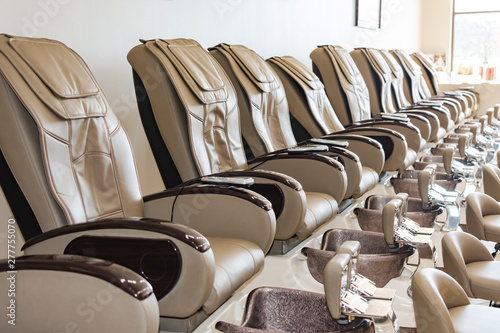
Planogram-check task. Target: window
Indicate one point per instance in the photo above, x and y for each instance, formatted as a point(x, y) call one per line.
point(476, 40)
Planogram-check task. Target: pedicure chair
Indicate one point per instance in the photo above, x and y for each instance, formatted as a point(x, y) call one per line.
point(190, 114)
point(263, 106)
point(378, 77)
point(312, 116)
point(442, 306)
point(63, 293)
point(467, 96)
point(382, 254)
point(470, 263)
point(340, 309)
point(350, 99)
point(68, 172)
point(416, 90)
point(482, 213)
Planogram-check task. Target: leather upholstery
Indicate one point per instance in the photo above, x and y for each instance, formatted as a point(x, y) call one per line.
point(470, 263)
point(265, 117)
point(442, 306)
point(233, 268)
point(74, 164)
point(349, 95)
point(335, 64)
point(309, 104)
point(491, 181)
point(416, 88)
point(333, 278)
point(55, 294)
point(184, 121)
point(385, 84)
point(79, 137)
point(483, 216)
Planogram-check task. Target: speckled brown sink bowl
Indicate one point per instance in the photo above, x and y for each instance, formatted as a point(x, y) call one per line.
point(439, 149)
point(272, 309)
point(430, 159)
point(370, 217)
point(375, 261)
point(407, 182)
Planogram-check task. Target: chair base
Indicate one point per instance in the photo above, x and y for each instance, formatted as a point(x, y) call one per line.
point(346, 203)
point(184, 325)
point(284, 246)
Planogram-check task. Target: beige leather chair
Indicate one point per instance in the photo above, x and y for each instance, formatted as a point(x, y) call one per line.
point(265, 118)
point(190, 113)
point(467, 95)
point(470, 263)
point(350, 98)
point(491, 181)
point(312, 116)
point(51, 294)
point(69, 175)
point(442, 306)
point(483, 216)
point(380, 79)
point(416, 89)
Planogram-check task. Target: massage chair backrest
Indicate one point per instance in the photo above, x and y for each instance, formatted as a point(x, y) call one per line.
point(378, 78)
point(434, 292)
point(344, 84)
point(429, 71)
point(265, 118)
point(193, 103)
point(66, 149)
point(398, 77)
point(416, 88)
point(306, 97)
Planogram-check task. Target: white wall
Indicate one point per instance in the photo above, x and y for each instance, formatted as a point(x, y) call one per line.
point(103, 31)
point(436, 26)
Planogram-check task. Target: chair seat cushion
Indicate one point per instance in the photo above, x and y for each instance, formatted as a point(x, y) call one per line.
point(411, 158)
point(321, 209)
point(475, 318)
point(369, 178)
point(484, 279)
point(236, 261)
point(492, 227)
point(441, 132)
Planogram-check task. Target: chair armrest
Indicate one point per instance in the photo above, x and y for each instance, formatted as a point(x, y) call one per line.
point(315, 172)
point(153, 248)
point(57, 292)
point(433, 120)
point(350, 161)
point(291, 205)
point(218, 211)
point(410, 132)
point(442, 113)
point(393, 143)
point(369, 151)
point(420, 122)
